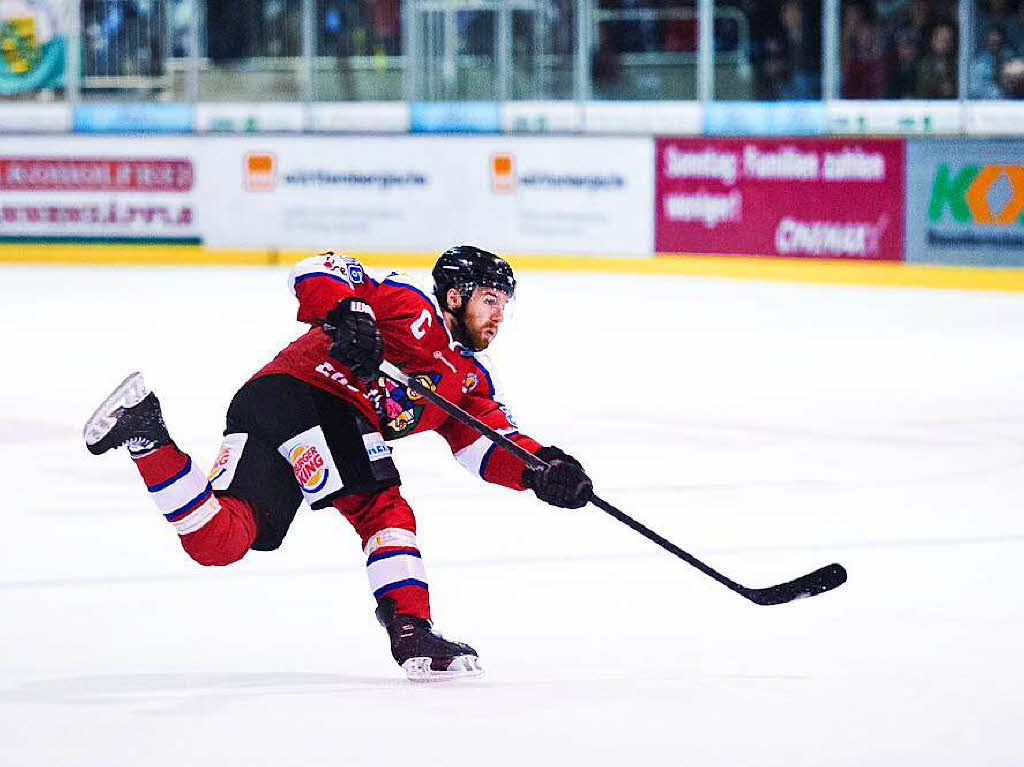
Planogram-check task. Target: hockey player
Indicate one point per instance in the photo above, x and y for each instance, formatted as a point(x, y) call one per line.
point(313, 424)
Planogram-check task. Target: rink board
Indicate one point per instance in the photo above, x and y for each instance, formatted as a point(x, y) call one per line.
point(838, 210)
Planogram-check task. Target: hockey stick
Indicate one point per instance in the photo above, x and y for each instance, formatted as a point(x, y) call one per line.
point(812, 584)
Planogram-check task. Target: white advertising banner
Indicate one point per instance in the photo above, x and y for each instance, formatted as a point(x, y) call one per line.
point(105, 189)
point(564, 195)
point(326, 193)
point(558, 195)
point(543, 195)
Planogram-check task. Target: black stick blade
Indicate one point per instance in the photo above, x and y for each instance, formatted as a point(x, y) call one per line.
point(810, 585)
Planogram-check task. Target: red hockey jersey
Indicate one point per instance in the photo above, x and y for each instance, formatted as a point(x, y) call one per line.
point(417, 341)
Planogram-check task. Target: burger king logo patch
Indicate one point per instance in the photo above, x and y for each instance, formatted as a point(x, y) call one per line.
point(308, 465)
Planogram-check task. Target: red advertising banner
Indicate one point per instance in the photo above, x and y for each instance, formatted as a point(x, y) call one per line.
point(807, 198)
point(95, 174)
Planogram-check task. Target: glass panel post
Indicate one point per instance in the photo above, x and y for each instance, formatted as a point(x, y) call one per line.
point(410, 50)
point(306, 84)
point(503, 20)
point(72, 64)
point(584, 47)
point(964, 53)
point(705, 50)
point(830, 50)
point(193, 52)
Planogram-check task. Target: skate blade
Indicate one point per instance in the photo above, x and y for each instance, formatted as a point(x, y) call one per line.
point(461, 667)
point(129, 393)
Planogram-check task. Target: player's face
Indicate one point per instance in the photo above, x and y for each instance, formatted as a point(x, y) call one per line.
point(485, 311)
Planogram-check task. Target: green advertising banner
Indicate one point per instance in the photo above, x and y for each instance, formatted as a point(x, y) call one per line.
point(965, 202)
point(31, 49)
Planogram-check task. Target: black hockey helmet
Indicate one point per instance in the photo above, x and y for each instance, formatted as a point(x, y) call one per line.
point(466, 267)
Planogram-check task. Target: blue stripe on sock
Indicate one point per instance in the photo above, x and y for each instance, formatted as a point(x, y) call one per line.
point(379, 555)
point(195, 502)
point(398, 585)
point(168, 482)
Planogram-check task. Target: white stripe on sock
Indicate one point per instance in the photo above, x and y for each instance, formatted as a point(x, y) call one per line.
point(197, 519)
point(394, 569)
point(390, 536)
point(186, 489)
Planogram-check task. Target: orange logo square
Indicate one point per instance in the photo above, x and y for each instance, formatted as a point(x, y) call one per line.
point(260, 172)
point(503, 172)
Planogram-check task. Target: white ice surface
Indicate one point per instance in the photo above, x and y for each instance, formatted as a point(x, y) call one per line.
point(767, 428)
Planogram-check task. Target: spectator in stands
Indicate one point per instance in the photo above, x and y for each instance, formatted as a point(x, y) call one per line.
point(802, 53)
point(987, 65)
point(1011, 79)
point(604, 66)
point(861, 52)
point(901, 75)
point(1001, 13)
point(937, 74)
point(385, 22)
point(639, 30)
point(787, 53)
point(912, 23)
point(772, 68)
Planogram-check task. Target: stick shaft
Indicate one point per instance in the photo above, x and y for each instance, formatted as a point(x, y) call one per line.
point(504, 442)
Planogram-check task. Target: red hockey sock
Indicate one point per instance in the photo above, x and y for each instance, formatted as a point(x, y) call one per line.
point(214, 531)
point(387, 527)
point(226, 537)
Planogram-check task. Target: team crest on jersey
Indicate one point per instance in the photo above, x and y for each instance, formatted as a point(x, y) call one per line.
point(401, 408)
point(424, 380)
point(309, 468)
point(469, 382)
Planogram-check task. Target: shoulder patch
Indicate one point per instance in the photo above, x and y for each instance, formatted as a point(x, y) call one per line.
point(329, 264)
point(343, 265)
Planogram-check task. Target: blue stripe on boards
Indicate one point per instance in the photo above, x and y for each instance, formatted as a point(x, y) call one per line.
point(379, 555)
point(398, 585)
point(195, 502)
point(168, 482)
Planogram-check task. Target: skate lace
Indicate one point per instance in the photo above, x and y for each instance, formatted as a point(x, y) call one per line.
point(138, 444)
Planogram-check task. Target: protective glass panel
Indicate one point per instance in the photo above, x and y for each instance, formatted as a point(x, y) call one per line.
point(127, 50)
point(645, 50)
point(768, 51)
point(358, 48)
point(486, 50)
point(253, 51)
point(907, 49)
point(997, 51)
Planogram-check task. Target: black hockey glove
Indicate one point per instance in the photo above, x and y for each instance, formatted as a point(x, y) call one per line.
point(357, 341)
point(562, 482)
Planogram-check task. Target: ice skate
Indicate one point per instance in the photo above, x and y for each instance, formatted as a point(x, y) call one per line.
point(129, 416)
point(425, 655)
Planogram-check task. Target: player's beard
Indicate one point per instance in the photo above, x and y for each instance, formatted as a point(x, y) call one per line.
point(477, 338)
point(480, 340)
